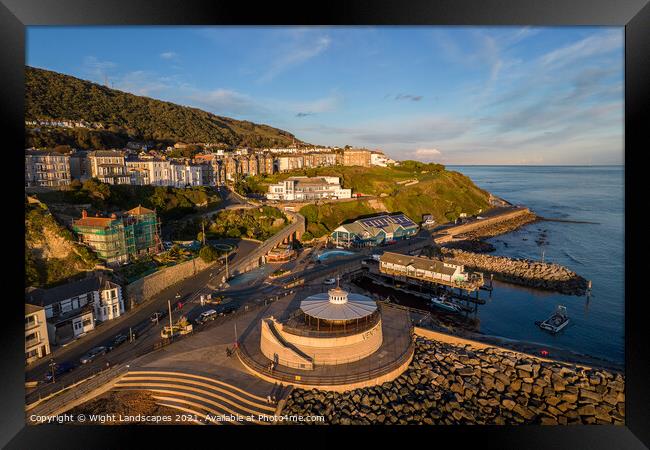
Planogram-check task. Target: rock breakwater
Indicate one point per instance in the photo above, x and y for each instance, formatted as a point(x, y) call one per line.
point(454, 384)
point(535, 274)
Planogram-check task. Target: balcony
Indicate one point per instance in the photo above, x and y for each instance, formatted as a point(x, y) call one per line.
point(32, 325)
point(33, 343)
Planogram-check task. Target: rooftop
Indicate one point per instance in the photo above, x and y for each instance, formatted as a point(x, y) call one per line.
point(338, 305)
point(419, 262)
point(44, 297)
point(140, 210)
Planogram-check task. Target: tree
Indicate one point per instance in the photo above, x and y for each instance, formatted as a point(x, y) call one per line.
point(62, 149)
point(208, 253)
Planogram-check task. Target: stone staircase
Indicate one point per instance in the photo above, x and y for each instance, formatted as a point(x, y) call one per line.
point(211, 400)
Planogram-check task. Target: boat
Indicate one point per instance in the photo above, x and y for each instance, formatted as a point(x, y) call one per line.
point(443, 303)
point(556, 322)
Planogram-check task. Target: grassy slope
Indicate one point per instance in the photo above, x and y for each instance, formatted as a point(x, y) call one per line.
point(444, 194)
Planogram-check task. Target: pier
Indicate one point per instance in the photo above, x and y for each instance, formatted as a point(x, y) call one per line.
point(421, 290)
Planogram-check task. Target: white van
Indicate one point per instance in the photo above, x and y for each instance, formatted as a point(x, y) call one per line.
point(210, 314)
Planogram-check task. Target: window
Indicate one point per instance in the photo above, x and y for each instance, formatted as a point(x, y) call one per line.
point(30, 321)
point(86, 322)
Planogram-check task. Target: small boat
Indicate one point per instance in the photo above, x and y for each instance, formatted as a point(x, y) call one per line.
point(556, 322)
point(443, 303)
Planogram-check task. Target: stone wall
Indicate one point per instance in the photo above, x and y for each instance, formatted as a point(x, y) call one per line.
point(449, 383)
point(145, 288)
point(535, 274)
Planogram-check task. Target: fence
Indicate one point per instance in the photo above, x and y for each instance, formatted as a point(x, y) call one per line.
point(76, 390)
point(296, 326)
point(307, 378)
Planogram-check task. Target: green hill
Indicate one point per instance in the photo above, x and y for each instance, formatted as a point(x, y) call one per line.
point(55, 96)
point(413, 188)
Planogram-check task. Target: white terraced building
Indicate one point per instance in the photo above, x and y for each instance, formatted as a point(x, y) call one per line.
point(308, 188)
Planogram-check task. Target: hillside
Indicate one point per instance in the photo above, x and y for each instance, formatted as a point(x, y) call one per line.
point(413, 188)
point(51, 252)
point(51, 95)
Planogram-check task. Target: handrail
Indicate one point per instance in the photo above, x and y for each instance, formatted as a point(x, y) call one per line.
point(319, 380)
point(373, 320)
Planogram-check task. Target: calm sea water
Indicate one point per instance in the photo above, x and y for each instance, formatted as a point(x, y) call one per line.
point(595, 251)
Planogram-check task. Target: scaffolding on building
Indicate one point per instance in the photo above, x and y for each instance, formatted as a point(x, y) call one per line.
point(121, 239)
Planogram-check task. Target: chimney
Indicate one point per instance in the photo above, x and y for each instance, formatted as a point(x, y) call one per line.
point(84, 214)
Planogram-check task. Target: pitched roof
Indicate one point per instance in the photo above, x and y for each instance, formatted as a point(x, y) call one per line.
point(104, 153)
point(139, 210)
point(419, 262)
point(93, 221)
point(46, 297)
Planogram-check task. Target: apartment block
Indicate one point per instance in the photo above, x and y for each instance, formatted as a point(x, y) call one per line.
point(48, 169)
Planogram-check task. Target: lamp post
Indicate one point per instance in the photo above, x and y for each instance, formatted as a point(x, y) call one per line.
point(52, 366)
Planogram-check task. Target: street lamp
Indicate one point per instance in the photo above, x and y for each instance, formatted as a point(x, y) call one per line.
point(52, 366)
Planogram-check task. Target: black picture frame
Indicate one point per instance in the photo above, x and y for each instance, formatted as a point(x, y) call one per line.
point(634, 15)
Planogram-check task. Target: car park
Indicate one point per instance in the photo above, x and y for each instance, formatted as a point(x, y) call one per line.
point(92, 354)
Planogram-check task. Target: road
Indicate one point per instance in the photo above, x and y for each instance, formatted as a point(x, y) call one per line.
point(253, 288)
point(138, 318)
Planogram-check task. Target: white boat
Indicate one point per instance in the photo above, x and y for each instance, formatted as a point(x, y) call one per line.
point(556, 322)
point(443, 303)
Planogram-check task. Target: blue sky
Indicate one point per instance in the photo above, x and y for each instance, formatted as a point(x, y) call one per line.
point(455, 95)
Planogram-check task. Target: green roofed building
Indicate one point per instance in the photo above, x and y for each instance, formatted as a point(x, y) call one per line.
point(373, 231)
point(119, 239)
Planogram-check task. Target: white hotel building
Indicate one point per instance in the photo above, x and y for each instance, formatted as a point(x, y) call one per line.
point(305, 188)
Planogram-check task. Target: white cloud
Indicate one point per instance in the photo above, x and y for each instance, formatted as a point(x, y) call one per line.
point(588, 47)
point(142, 82)
point(304, 47)
point(224, 101)
point(169, 55)
point(98, 70)
point(427, 152)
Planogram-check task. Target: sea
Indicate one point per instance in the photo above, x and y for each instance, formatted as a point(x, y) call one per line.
point(593, 250)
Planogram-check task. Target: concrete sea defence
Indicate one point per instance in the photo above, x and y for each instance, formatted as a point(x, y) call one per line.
point(535, 274)
point(457, 383)
point(502, 223)
point(498, 227)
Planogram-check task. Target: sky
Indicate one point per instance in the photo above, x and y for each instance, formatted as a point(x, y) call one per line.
point(453, 95)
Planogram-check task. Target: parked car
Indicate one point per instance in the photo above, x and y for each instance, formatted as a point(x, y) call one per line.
point(205, 316)
point(330, 281)
point(158, 316)
point(59, 370)
point(118, 340)
point(92, 354)
point(228, 310)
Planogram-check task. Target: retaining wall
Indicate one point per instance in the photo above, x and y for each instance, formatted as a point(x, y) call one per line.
point(145, 288)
